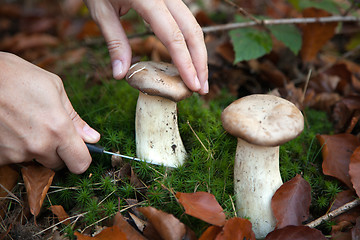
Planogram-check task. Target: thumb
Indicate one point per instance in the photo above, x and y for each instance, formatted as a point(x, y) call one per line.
point(87, 133)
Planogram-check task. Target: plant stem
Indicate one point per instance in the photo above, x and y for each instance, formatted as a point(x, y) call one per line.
point(230, 26)
point(334, 213)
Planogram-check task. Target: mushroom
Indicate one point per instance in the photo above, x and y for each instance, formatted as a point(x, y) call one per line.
point(156, 126)
point(261, 123)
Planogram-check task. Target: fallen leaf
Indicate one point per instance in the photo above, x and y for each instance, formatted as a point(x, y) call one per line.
point(341, 236)
point(167, 226)
point(355, 231)
point(37, 180)
point(140, 224)
point(237, 229)
point(336, 152)
point(291, 202)
point(344, 111)
point(59, 211)
point(110, 233)
point(315, 35)
point(340, 227)
point(210, 233)
point(296, 233)
point(269, 73)
point(354, 169)
point(226, 50)
point(125, 227)
point(89, 29)
point(8, 179)
point(204, 206)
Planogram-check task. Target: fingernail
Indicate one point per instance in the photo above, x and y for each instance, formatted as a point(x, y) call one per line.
point(197, 83)
point(206, 87)
point(117, 67)
point(91, 132)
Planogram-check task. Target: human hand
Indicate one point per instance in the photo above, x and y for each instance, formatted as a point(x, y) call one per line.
point(37, 120)
point(173, 24)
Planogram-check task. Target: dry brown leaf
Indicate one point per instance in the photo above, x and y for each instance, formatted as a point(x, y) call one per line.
point(354, 170)
point(167, 226)
point(37, 180)
point(8, 179)
point(110, 233)
point(211, 233)
point(271, 74)
point(315, 35)
point(296, 233)
point(59, 211)
point(236, 229)
point(291, 202)
point(89, 29)
point(226, 50)
point(336, 152)
point(125, 227)
point(355, 231)
point(204, 206)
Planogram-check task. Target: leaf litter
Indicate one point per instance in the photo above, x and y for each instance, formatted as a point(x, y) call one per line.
point(334, 88)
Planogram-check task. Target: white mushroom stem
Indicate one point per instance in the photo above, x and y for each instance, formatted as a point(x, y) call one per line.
point(256, 179)
point(157, 134)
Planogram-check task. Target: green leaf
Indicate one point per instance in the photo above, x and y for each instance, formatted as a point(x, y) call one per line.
point(250, 43)
point(327, 5)
point(289, 35)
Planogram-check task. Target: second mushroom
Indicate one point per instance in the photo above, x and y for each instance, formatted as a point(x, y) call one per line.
point(156, 123)
point(261, 124)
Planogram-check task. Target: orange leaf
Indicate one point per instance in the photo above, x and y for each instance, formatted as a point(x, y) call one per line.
point(167, 226)
point(8, 180)
point(354, 169)
point(59, 211)
point(130, 232)
point(110, 233)
point(336, 152)
point(315, 35)
point(37, 180)
point(296, 233)
point(210, 233)
point(237, 229)
point(204, 206)
point(291, 202)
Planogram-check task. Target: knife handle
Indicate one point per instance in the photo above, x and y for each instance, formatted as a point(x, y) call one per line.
point(94, 148)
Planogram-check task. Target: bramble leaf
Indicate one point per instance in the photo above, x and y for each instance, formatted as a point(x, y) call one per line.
point(250, 43)
point(289, 35)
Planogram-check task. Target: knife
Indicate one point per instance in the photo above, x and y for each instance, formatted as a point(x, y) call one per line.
point(95, 148)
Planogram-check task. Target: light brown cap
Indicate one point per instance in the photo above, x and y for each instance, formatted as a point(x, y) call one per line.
point(264, 120)
point(158, 79)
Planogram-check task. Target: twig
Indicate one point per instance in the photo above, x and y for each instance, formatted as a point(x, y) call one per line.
point(244, 12)
point(66, 219)
point(188, 123)
point(231, 26)
point(334, 213)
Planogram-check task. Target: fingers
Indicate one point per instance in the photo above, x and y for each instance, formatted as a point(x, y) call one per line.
point(174, 25)
point(194, 39)
point(108, 19)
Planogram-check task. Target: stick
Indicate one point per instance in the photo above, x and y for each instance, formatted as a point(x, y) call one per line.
point(334, 213)
point(231, 26)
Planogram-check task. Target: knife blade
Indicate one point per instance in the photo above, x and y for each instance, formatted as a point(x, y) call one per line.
point(95, 148)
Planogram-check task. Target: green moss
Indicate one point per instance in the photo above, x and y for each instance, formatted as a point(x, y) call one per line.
point(109, 107)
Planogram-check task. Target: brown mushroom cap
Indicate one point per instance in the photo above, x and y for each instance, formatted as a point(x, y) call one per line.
point(158, 79)
point(263, 120)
